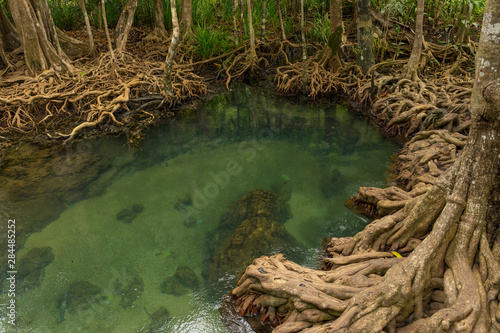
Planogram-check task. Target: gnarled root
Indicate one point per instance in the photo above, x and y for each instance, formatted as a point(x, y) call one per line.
point(294, 297)
point(447, 278)
point(36, 103)
point(406, 107)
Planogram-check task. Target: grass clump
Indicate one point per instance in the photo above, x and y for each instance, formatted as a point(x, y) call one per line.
point(211, 42)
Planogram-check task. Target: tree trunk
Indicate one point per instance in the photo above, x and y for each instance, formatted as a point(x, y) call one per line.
point(187, 17)
point(3, 56)
point(304, 49)
point(72, 47)
point(253, 53)
point(449, 277)
point(242, 10)
point(111, 52)
point(235, 25)
point(335, 37)
point(81, 3)
point(410, 70)
point(365, 35)
point(38, 36)
point(464, 26)
point(263, 25)
point(99, 14)
point(159, 17)
point(167, 78)
point(124, 24)
point(9, 34)
point(278, 8)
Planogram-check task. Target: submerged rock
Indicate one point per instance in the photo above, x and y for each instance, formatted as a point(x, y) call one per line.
point(130, 291)
point(173, 287)
point(158, 320)
point(255, 237)
point(333, 182)
point(179, 284)
point(80, 295)
point(128, 215)
point(257, 203)
point(32, 267)
point(183, 205)
point(260, 215)
point(185, 275)
point(38, 183)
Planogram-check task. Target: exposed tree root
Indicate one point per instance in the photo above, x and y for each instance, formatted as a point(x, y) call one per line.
point(442, 279)
point(421, 161)
point(243, 63)
point(425, 264)
point(92, 95)
point(407, 107)
point(320, 81)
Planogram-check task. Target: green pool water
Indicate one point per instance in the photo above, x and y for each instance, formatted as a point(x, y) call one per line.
point(233, 144)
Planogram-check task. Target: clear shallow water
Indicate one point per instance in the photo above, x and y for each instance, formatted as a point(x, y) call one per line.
point(233, 144)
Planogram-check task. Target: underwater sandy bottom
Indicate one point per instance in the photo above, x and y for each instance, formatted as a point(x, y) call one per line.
point(200, 157)
point(90, 244)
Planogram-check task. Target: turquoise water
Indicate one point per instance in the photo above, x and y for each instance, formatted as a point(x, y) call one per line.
point(233, 144)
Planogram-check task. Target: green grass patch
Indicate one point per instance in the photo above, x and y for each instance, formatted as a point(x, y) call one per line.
point(212, 42)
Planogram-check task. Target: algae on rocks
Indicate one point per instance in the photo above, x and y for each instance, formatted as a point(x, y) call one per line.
point(179, 284)
point(32, 268)
point(80, 295)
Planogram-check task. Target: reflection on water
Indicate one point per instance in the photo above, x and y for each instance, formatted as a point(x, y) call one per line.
point(118, 240)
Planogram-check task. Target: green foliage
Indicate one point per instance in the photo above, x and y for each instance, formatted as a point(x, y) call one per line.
point(288, 26)
point(445, 16)
point(66, 14)
point(145, 13)
point(209, 11)
point(447, 12)
point(320, 28)
point(3, 3)
point(211, 41)
point(403, 10)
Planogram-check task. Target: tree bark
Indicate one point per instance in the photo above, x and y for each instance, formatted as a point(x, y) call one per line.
point(253, 53)
point(38, 36)
point(365, 57)
point(113, 73)
point(278, 6)
point(235, 25)
point(410, 70)
point(263, 24)
point(160, 30)
point(304, 50)
point(81, 3)
point(187, 17)
point(8, 31)
point(167, 78)
point(124, 24)
point(242, 10)
point(335, 37)
point(463, 26)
